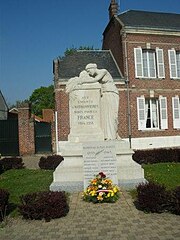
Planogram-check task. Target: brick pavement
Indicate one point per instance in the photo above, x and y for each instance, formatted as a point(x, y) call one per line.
point(88, 221)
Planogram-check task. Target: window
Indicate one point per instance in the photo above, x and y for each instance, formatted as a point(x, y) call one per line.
point(152, 113)
point(176, 112)
point(174, 63)
point(149, 63)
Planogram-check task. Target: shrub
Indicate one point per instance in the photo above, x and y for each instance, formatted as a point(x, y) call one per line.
point(8, 163)
point(175, 206)
point(157, 155)
point(1, 168)
point(47, 205)
point(153, 197)
point(51, 162)
point(4, 197)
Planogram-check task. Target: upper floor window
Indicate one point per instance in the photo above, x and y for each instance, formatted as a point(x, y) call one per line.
point(174, 63)
point(149, 63)
point(152, 113)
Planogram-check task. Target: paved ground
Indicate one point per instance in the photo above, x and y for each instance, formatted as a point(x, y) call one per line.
point(88, 221)
point(32, 161)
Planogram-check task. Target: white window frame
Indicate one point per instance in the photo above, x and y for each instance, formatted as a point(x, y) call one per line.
point(161, 108)
point(160, 63)
point(158, 58)
point(138, 62)
point(176, 112)
point(173, 64)
point(163, 112)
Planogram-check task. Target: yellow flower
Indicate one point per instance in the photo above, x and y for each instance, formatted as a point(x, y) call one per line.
point(93, 193)
point(100, 198)
point(109, 194)
point(112, 194)
point(115, 189)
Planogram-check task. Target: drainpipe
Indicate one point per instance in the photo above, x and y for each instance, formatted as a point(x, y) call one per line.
point(128, 93)
point(56, 130)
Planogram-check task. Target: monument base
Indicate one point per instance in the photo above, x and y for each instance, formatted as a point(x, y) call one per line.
point(69, 175)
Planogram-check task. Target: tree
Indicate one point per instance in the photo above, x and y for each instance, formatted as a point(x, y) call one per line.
point(73, 49)
point(42, 98)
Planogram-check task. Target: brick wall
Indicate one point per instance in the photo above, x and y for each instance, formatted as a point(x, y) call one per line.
point(62, 108)
point(137, 87)
point(165, 87)
point(26, 130)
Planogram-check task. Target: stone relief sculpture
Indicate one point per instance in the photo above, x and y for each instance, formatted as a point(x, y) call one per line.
point(109, 97)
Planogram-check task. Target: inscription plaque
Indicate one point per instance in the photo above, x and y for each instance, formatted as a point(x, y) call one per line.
point(99, 157)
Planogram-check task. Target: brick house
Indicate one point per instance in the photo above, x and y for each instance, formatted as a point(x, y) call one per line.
point(146, 46)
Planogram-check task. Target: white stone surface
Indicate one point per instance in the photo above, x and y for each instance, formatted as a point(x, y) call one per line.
point(155, 142)
point(85, 113)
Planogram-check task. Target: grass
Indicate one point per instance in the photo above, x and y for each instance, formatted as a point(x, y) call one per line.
point(22, 181)
point(163, 173)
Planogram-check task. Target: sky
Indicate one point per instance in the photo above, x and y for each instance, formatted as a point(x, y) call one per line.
point(35, 32)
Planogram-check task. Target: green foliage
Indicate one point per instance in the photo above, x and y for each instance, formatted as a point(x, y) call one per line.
point(42, 98)
point(22, 181)
point(73, 49)
point(163, 173)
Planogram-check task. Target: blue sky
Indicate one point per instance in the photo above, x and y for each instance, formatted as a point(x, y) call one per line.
point(34, 32)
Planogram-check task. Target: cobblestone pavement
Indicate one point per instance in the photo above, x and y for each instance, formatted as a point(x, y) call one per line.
point(32, 161)
point(88, 221)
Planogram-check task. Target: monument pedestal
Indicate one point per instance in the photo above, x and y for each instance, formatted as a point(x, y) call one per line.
point(69, 175)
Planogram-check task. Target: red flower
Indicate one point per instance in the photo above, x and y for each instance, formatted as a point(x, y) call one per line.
point(102, 175)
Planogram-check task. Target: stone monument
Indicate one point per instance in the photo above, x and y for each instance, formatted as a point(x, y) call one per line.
point(93, 143)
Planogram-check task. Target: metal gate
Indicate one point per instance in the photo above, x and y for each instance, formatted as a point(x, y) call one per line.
point(43, 140)
point(9, 137)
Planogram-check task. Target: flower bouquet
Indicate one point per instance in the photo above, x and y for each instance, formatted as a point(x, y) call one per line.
point(101, 190)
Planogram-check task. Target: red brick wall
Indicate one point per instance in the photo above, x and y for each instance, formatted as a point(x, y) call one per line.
point(48, 115)
point(62, 108)
point(26, 131)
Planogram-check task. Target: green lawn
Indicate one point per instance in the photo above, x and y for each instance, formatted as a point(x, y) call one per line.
point(163, 173)
point(23, 181)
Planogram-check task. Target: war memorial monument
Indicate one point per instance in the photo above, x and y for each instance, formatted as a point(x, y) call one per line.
point(93, 144)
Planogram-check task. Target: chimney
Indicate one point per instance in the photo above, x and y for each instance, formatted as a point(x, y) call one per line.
point(113, 9)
